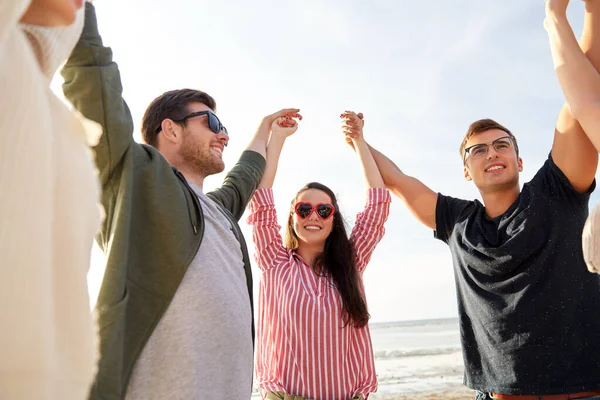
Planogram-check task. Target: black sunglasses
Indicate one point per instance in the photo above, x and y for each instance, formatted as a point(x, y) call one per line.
point(214, 123)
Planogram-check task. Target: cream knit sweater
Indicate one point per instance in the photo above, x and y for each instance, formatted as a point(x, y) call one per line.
point(48, 217)
point(591, 240)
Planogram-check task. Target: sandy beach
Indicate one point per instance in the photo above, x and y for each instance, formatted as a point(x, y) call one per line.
point(455, 394)
point(422, 378)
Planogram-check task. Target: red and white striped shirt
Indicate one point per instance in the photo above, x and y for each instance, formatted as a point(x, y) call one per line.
point(303, 347)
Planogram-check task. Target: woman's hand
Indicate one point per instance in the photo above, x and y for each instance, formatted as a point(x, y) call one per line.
point(352, 126)
point(286, 126)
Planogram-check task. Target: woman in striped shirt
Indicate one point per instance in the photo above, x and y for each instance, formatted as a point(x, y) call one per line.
point(313, 337)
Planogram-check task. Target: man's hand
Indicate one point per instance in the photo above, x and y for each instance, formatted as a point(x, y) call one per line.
point(261, 137)
point(286, 126)
point(352, 126)
point(267, 121)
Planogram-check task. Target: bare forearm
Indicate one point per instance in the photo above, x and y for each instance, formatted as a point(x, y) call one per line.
point(371, 172)
point(260, 139)
point(388, 170)
point(573, 150)
point(273, 151)
point(578, 78)
point(420, 200)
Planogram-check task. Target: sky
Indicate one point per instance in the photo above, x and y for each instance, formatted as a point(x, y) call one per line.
point(420, 71)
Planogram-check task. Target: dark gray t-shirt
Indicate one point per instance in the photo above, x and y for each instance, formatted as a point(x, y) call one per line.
point(529, 309)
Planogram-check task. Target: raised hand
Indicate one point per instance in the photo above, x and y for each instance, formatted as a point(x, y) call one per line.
point(261, 137)
point(282, 124)
point(352, 126)
point(267, 121)
point(286, 126)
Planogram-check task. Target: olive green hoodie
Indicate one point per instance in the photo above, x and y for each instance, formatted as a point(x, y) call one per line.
point(154, 222)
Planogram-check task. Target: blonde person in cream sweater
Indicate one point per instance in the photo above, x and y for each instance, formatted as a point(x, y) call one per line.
point(48, 209)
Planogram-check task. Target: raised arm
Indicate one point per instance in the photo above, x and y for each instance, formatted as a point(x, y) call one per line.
point(270, 251)
point(282, 127)
point(93, 85)
point(352, 127)
point(579, 80)
point(261, 137)
point(572, 150)
point(420, 200)
point(243, 179)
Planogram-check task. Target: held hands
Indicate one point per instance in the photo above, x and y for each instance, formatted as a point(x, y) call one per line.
point(266, 124)
point(352, 126)
point(286, 125)
point(286, 112)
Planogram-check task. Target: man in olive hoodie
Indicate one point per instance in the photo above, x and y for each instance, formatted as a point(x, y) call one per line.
point(175, 307)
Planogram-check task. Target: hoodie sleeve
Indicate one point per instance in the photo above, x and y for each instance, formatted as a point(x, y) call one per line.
point(11, 12)
point(93, 85)
point(240, 183)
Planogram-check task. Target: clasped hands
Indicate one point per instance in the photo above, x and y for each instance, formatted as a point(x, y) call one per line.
point(285, 123)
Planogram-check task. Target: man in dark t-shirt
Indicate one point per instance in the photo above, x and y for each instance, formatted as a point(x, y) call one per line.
point(529, 310)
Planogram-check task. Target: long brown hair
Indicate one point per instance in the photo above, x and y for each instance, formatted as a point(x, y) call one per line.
point(337, 261)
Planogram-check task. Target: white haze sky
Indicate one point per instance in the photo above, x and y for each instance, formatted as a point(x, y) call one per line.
point(420, 71)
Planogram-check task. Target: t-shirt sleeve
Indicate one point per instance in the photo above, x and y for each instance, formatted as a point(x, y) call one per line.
point(551, 181)
point(448, 211)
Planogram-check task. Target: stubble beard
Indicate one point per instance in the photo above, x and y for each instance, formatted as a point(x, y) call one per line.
point(202, 161)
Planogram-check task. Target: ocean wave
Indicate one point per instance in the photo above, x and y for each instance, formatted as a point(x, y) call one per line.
point(413, 323)
point(392, 354)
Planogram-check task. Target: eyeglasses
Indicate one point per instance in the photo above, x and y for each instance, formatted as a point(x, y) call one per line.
point(304, 210)
point(504, 144)
point(214, 123)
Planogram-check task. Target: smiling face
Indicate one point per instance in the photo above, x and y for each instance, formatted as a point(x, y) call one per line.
point(312, 230)
point(497, 170)
point(201, 149)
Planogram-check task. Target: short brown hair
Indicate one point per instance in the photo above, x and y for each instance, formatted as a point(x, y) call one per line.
point(172, 104)
point(481, 126)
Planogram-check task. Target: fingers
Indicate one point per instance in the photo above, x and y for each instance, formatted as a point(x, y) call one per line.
point(352, 125)
point(293, 112)
point(289, 120)
point(356, 118)
point(288, 123)
point(285, 122)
